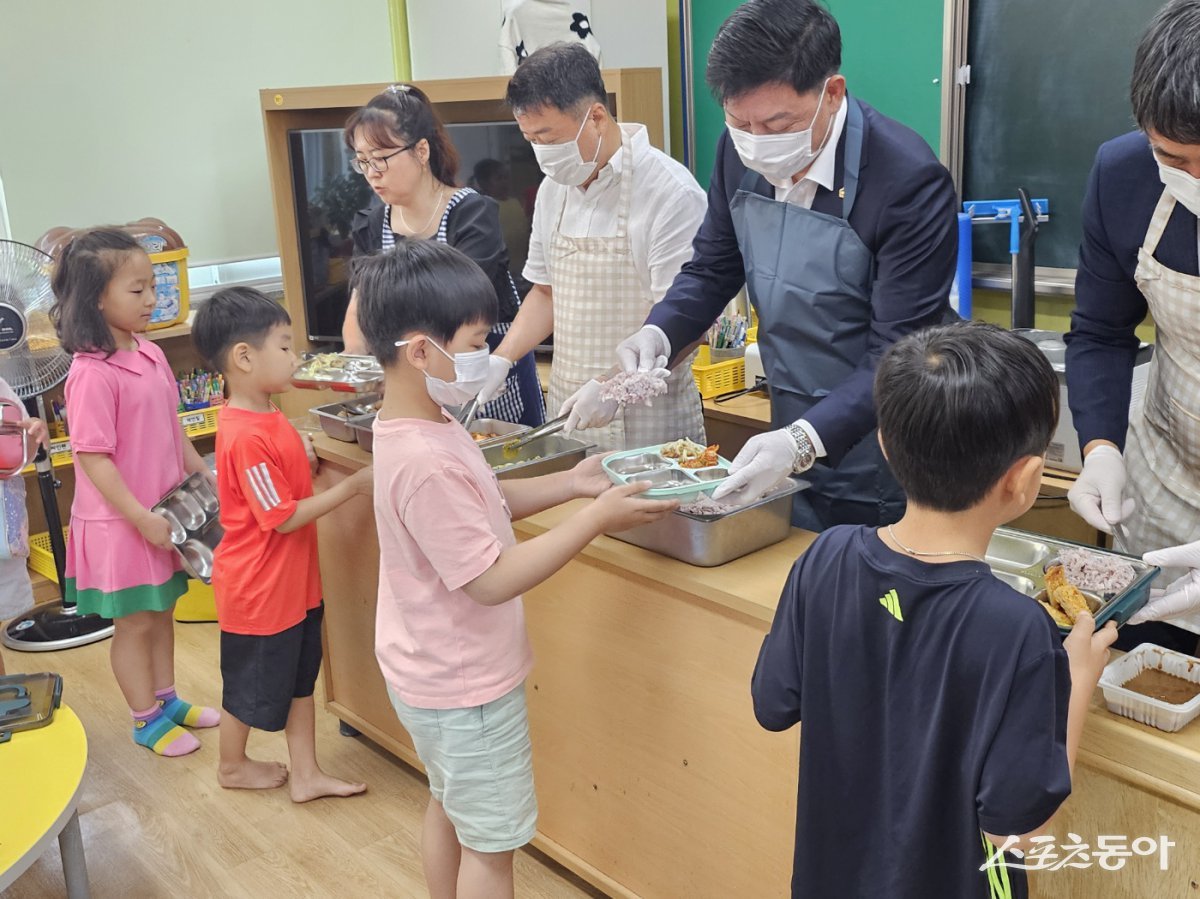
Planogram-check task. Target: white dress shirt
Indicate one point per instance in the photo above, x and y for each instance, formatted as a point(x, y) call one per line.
point(666, 209)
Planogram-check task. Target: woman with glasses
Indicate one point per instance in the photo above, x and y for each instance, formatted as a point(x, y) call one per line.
point(408, 160)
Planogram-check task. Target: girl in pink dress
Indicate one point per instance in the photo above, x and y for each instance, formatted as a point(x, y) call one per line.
point(129, 451)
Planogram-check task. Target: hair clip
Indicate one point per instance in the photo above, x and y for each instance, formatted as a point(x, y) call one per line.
point(398, 88)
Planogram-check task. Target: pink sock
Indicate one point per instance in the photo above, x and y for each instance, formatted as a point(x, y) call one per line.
point(184, 712)
point(160, 734)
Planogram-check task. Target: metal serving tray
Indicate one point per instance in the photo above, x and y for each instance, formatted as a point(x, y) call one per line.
point(338, 371)
point(335, 418)
point(545, 455)
point(707, 541)
point(192, 511)
point(1020, 560)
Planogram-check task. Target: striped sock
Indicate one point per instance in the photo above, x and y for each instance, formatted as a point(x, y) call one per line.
point(157, 732)
point(185, 713)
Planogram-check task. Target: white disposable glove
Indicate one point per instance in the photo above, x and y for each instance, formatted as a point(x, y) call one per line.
point(1098, 494)
point(495, 385)
point(764, 462)
point(584, 409)
point(1182, 597)
point(644, 350)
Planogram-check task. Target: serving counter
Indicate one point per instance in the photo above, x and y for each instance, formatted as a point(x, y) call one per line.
point(653, 777)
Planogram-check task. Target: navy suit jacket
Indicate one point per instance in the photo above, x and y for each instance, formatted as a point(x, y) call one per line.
point(1122, 192)
point(905, 213)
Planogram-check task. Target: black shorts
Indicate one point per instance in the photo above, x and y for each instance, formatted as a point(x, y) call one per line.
point(262, 674)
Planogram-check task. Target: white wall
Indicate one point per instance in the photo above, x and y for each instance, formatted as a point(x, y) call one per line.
point(465, 43)
point(115, 110)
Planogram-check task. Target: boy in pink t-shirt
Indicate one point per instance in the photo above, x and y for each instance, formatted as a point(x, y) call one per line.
point(450, 630)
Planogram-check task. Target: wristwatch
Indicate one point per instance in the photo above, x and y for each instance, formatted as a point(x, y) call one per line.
point(806, 454)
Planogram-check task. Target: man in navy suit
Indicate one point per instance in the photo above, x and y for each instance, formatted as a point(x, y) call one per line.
point(841, 223)
point(1141, 478)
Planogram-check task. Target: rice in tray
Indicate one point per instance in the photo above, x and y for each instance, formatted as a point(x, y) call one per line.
point(633, 389)
point(1096, 572)
point(706, 505)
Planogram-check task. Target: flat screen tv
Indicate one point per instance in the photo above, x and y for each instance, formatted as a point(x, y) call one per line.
point(495, 160)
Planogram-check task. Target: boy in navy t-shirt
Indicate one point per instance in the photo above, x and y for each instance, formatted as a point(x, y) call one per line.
point(942, 710)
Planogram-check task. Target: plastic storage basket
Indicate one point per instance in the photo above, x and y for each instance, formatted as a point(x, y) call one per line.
point(1154, 712)
point(716, 378)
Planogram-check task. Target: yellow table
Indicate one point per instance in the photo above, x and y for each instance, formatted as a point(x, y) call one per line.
point(41, 775)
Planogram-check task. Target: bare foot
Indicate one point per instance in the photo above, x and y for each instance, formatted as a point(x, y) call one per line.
point(305, 789)
point(251, 774)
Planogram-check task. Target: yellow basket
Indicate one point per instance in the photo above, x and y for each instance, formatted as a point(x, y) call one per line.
point(752, 335)
point(41, 557)
point(198, 604)
point(715, 378)
point(171, 288)
point(200, 422)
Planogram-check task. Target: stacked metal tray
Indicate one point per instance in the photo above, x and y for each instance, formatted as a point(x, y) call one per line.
point(667, 477)
point(338, 371)
point(192, 511)
point(707, 541)
point(1020, 559)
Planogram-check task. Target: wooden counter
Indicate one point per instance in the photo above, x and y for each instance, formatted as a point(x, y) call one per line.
point(653, 777)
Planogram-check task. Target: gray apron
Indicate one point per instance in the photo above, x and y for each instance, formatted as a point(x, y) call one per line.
point(809, 276)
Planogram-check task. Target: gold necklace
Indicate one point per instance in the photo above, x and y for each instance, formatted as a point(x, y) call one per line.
point(428, 221)
point(916, 552)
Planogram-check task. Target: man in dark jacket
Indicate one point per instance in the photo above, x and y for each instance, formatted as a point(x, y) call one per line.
point(841, 222)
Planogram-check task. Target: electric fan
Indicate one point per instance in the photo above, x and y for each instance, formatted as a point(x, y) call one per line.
point(32, 361)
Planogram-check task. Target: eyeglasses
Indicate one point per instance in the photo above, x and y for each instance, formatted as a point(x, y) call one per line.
point(362, 164)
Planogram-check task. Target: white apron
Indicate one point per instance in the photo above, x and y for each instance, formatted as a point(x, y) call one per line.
point(599, 300)
point(1162, 452)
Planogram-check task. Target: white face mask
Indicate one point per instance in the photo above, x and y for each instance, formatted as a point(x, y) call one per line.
point(563, 162)
point(470, 374)
point(777, 157)
point(1182, 186)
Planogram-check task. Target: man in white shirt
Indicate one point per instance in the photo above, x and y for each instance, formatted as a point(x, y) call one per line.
point(612, 226)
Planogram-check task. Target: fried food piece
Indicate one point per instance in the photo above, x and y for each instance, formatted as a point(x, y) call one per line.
point(1064, 595)
point(706, 459)
point(1056, 613)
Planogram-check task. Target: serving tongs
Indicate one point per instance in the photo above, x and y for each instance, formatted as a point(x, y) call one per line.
point(467, 415)
point(513, 442)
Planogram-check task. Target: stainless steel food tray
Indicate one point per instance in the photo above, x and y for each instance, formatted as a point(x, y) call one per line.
point(1020, 560)
point(503, 430)
point(707, 541)
point(348, 374)
point(545, 455)
point(335, 418)
point(193, 513)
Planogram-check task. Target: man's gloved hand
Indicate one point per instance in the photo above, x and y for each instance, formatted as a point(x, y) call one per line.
point(584, 408)
point(764, 462)
point(1098, 494)
point(1182, 597)
point(494, 386)
point(644, 350)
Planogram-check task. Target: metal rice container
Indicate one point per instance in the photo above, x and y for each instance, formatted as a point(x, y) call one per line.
point(707, 541)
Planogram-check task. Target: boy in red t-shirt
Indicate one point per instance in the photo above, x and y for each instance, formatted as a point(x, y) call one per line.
point(265, 574)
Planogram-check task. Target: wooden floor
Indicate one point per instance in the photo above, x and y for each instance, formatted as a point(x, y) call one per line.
point(162, 827)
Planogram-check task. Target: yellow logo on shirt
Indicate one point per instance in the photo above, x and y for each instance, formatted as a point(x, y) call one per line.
point(891, 602)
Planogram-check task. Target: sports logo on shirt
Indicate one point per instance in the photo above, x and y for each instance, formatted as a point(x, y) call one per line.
point(891, 602)
point(260, 482)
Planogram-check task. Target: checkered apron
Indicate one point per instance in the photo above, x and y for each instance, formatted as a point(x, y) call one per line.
point(600, 298)
point(1162, 452)
point(509, 406)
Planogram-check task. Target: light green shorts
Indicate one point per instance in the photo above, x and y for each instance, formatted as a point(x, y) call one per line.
point(480, 768)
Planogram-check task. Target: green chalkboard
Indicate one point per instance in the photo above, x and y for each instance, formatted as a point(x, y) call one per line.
point(891, 57)
point(1049, 84)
